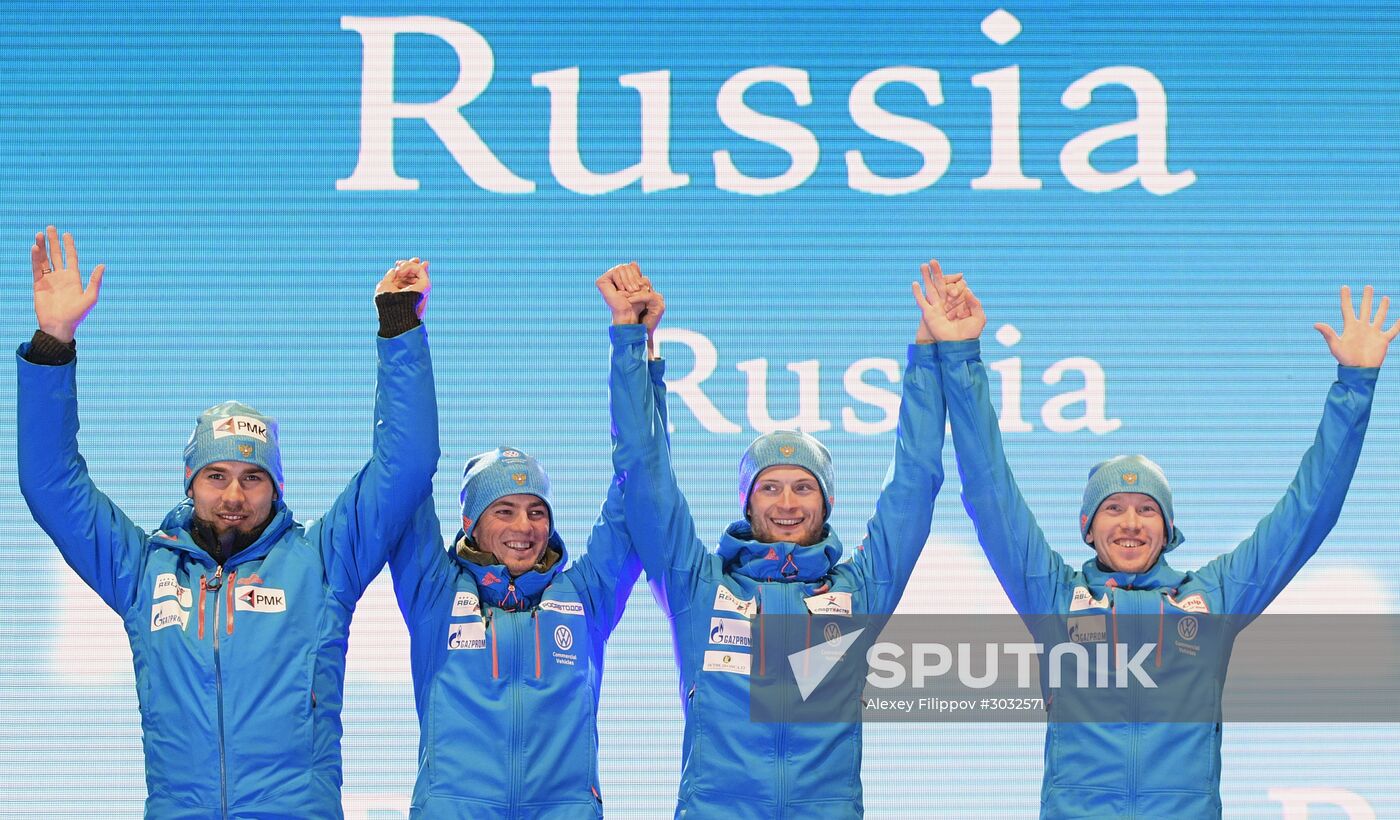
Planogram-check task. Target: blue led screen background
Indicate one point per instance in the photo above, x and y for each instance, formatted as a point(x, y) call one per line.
point(1154, 201)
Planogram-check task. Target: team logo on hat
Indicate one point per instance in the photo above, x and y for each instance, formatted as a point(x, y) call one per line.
point(240, 426)
point(787, 450)
point(519, 478)
point(246, 450)
point(1130, 478)
point(510, 454)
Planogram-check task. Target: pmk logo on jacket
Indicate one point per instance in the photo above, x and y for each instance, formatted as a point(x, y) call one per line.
point(260, 599)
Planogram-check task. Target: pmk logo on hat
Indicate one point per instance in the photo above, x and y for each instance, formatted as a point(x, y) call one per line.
point(246, 450)
point(787, 450)
point(241, 426)
point(1130, 478)
point(518, 478)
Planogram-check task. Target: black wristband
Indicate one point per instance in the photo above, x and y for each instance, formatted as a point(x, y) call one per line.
point(47, 350)
point(398, 312)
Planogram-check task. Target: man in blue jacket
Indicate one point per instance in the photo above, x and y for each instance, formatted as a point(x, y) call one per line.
point(237, 614)
point(780, 559)
point(507, 639)
point(1130, 766)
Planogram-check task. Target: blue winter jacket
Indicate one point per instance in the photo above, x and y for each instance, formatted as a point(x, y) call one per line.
point(732, 766)
point(507, 672)
point(239, 668)
point(1128, 767)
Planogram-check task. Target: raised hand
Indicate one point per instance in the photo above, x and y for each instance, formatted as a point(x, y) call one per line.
point(950, 310)
point(1364, 339)
point(626, 292)
point(60, 300)
point(650, 305)
point(408, 275)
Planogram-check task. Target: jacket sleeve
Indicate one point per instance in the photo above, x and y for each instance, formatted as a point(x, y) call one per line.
point(657, 515)
point(898, 530)
point(1256, 571)
point(372, 511)
point(95, 537)
point(611, 564)
point(1029, 571)
point(419, 563)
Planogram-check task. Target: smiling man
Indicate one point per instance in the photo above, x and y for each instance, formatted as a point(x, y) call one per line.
point(238, 615)
point(780, 558)
point(1149, 752)
point(508, 639)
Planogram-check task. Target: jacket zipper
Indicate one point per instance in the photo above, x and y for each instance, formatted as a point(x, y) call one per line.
point(219, 691)
point(1132, 735)
point(782, 724)
point(515, 683)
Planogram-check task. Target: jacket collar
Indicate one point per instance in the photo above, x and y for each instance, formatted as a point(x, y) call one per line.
point(493, 581)
point(1160, 576)
point(778, 560)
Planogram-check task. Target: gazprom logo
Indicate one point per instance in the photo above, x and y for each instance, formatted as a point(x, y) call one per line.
point(730, 632)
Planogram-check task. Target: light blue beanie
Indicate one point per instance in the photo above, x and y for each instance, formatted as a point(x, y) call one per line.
point(1129, 474)
point(787, 448)
point(231, 431)
point(498, 473)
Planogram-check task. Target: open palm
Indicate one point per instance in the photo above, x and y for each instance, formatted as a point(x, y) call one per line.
point(1364, 338)
point(60, 300)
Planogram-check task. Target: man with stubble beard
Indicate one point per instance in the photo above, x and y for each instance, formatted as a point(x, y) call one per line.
point(237, 614)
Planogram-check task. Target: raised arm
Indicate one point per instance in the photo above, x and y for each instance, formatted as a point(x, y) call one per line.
point(657, 515)
point(611, 563)
point(1252, 574)
point(1031, 573)
point(372, 512)
point(898, 530)
point(96, 539)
